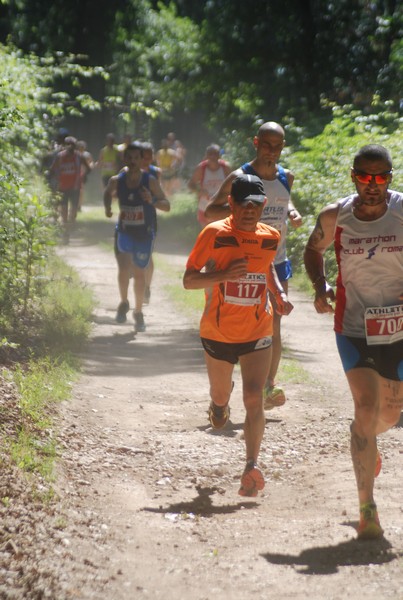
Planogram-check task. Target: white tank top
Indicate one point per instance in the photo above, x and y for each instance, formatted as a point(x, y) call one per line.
point(275, 213)
point(370, 259)
point(212, 180)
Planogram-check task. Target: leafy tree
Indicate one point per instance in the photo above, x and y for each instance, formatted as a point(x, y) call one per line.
point(156, 62)
point(271, 60)
point(235, 61)
point(74, 27)
point(29, 110)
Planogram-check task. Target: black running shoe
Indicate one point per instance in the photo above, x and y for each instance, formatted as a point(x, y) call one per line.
point(139, 324)
point(122, 311)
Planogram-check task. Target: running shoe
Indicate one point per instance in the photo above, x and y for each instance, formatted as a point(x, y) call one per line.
point(139, 324)
point(218, 415)
point(252, 480)
point(122, 311)
point(147, 295)
point(369, 527)
point(378, 464)
point(273, 396)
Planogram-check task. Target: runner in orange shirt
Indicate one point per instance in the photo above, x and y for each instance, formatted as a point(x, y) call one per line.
point(233, 260)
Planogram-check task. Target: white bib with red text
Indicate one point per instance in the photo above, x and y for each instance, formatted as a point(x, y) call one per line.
point(246, 291)
point(132, 215)
point(384, 325)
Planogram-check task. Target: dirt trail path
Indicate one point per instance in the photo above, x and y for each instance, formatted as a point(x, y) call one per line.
point(150, 493)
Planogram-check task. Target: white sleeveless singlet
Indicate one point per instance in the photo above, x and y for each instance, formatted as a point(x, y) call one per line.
point(370, 259)
point(211, 181)
point(275, 213)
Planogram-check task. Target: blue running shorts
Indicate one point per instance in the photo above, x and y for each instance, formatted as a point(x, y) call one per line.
point(385, 359)
point(284, 270)
point(141, 250)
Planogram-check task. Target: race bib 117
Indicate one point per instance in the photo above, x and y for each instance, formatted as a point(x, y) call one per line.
point(247, 290)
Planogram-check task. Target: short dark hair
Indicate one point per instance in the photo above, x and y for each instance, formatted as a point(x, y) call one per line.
point(372, 152)
point(134, 146)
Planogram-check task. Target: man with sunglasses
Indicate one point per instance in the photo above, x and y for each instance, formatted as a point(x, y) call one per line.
point(367, 231)
point(233, 261)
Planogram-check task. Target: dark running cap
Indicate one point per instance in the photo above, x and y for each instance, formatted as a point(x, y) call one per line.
point(247, 187)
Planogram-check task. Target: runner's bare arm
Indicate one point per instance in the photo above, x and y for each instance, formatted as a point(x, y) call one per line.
point(227, 169)
point(283, 305)
point(320, 239)
point(293, 214)
point(194, 181)
point(158, 198)
point(196, 280)
point(219, 208)
point(86, 164)
point(109, 193)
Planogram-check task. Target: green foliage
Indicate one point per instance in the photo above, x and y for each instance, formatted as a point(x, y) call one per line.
point(156, 60)
point(267, 61)
point(27, 213)
point(190, 302)
point(74, 26)
point(236, 62)
point(25, 220)
point(26, 233)
point(40, 386)
point(180, 223)
point(65, 308)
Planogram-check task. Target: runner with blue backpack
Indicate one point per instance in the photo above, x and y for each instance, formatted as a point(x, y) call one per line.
point(279, 210)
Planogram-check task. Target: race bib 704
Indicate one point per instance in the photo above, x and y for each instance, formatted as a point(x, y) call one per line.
point(384, 325)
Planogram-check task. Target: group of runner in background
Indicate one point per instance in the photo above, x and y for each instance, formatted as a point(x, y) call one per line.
point(70, 163)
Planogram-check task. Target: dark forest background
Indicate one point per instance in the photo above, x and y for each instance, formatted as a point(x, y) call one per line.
point(211, 71)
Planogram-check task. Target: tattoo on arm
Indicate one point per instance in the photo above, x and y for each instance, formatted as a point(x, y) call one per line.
point(317, 234)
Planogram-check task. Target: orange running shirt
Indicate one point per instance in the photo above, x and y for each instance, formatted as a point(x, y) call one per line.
point(236, 311)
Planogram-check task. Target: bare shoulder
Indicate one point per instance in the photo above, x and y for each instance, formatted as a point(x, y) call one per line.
point(328, 214)
point(323, 232)
point(226, 185)
point(112, 183)
point(235, 174)
point(198, 169)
